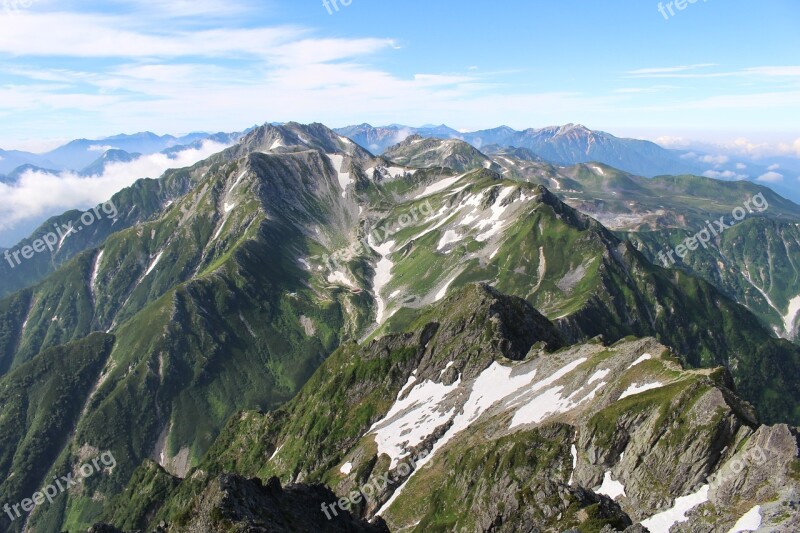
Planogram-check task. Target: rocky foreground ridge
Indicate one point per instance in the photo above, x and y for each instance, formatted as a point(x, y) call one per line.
point(481, 418)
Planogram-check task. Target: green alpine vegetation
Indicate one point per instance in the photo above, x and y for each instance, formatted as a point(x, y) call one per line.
point(519, 434)
point(297, 261)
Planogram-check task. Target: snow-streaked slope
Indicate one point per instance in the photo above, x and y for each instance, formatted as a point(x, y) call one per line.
point(344, 177)
point(383, 275)
point(412, 419)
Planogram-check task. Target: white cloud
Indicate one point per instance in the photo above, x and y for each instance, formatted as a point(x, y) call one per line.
point(790, 71)
point(723, 175)
point(667, 71)
point(100, 148)
point(715, 159)
point(84, 35)
point(141, 73)
point(774, 167)
point(741, 147)
point(652, 89)
point(180, 9)
point(791, 149)
point(401, 135)
point(689, 71)
point(740, 166)
point(38, 194)
point(771, 177)
point(674, 142)
point(758, 150)
point(710, 159)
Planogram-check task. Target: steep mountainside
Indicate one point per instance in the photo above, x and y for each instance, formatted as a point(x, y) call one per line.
point(479, 419)
point(755, 267)
point(211, 311)
point(294, 242)
point(756, 262)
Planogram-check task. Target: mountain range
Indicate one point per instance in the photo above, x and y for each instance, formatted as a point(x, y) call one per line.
point(277, 326)
point(573, 143)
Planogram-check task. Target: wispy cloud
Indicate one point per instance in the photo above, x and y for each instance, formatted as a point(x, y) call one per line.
point(650, 89)
point(702, 71)
point(659, 71)
point(104, 36)
point(155, 70)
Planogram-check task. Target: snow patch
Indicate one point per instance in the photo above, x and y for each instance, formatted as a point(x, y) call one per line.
point(154, 263)
point(276, 452)
point(219, 230)
point(662, 522)
point(750, 521)
point(410, 383)
point(597, 376)
point(541, 270)
point(439, 186)
point(791, 316)
point(573, 451)
point(443, 291)
point(383, 275)
point(412, 419)
point(612, 489)
point(495, 384)
point(451, 363)
point(344, 177)
point(239, 179)
point(449, 237)
point(96, 271)
point(340, 277)
point(636, 389)
point(548, 403)
point(642, 359)
point(396, 172)
point(346, 468)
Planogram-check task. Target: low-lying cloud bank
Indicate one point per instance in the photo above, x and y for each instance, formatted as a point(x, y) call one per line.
point(37, 195)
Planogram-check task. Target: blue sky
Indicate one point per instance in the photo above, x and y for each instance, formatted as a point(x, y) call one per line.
point(715, 71)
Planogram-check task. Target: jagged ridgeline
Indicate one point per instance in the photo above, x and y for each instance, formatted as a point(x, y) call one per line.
point(224, 287)
point(479, 418)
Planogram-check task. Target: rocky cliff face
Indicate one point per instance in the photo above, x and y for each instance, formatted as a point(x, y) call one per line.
point(480, 419)
point(296, 246)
